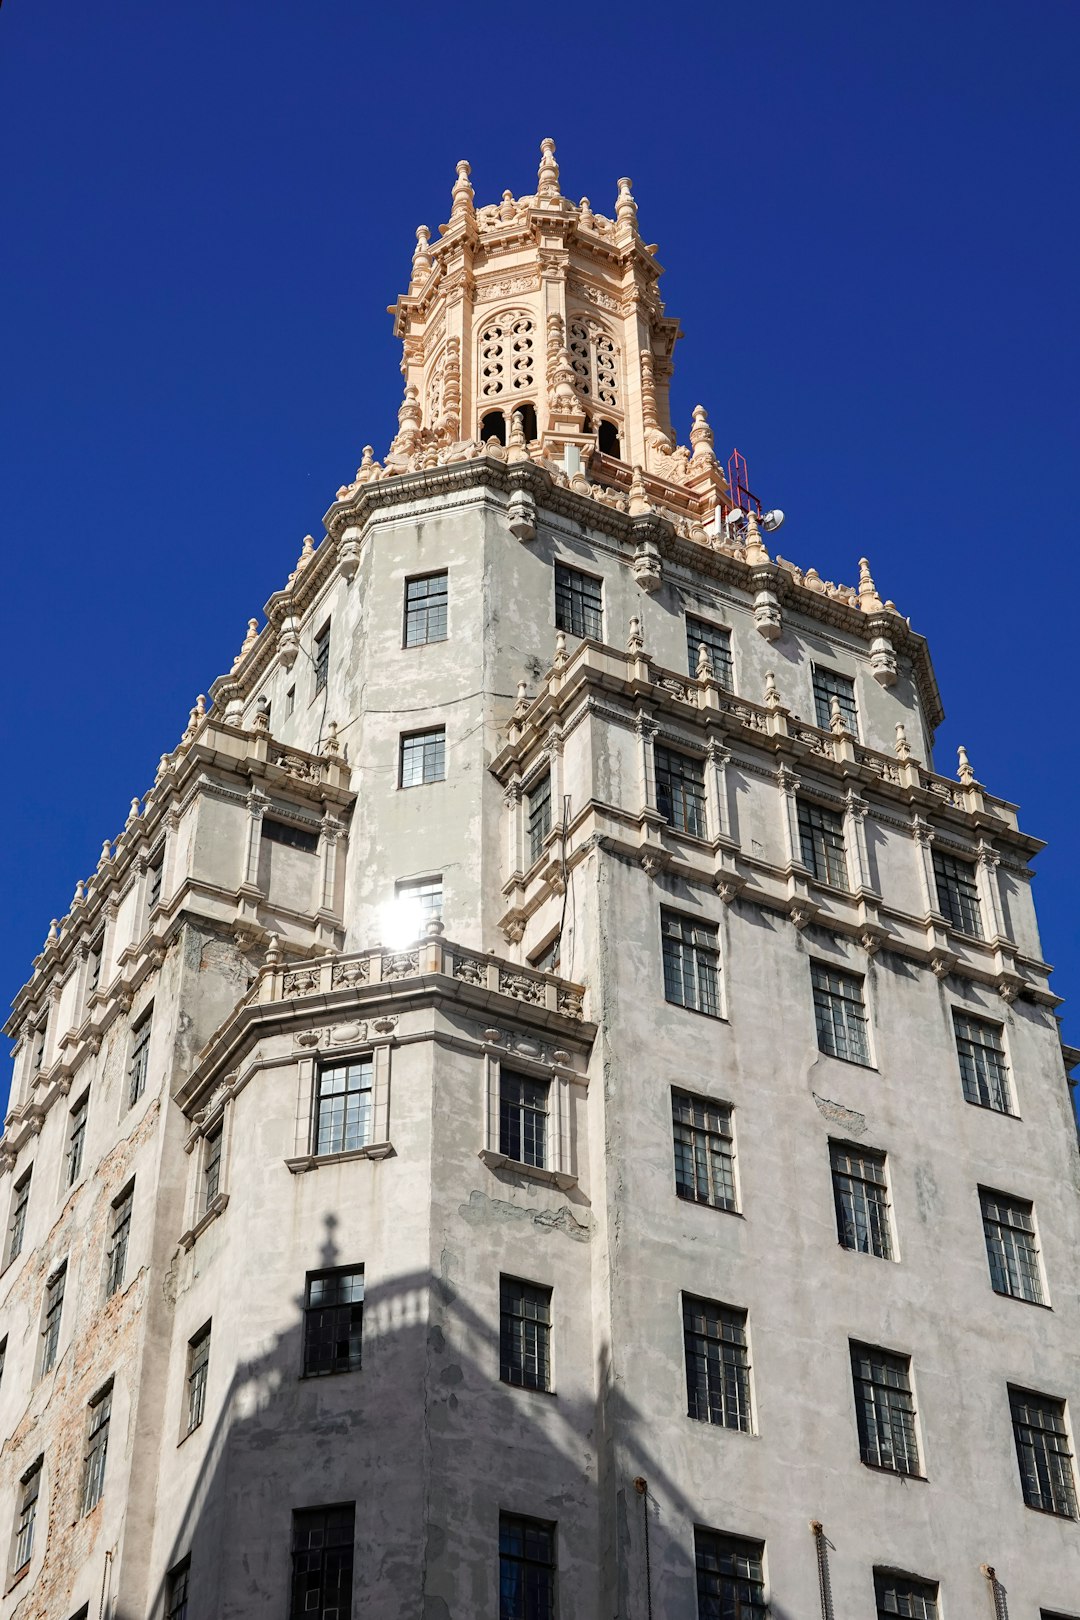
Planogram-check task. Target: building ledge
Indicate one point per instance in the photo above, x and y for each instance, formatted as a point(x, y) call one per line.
point(218, 1207)
point(316, 1161)
point(550, 1178)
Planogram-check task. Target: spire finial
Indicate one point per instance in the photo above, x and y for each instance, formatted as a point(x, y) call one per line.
point(965, 770)
point(837, 723)
point(547, 179)
point(772, 691)
point(704, 663)
point(869, 600)
point(639, 501)
point(585, 213)
point(626, 207)
point(635, 641)
point(307, 551)
point(701, 437)
point(133, 813)
point(903, 747)
point(462, 193)
point(421, 259)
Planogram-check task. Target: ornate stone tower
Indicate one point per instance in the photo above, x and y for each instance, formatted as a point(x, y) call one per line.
point(550, 1104)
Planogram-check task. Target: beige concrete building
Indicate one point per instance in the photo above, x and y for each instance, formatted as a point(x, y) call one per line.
point(550, 1105)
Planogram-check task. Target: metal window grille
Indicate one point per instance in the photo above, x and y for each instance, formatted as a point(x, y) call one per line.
point(50, 1327)
point(24, 1527)
point(862, 1200)
point(821, 843)
point(153, 882)
point(1009, 1227)
point(322, 1563)
point(176, 1591)
point(97, 1444)
point(958, 893)
point(322, 658)
point(282, 832)
point(17, 1227)
point(198, 1366)
point(343, 1106)
point(118, 1243)
point(906, 1596)
point(717, 643)
point(839, 1014)
point(691, 963)
point(983, 1070)
point(828, 685)
point(423, 757)
point(427, 894)
point(523, 1118)
point(717, 1363)
point(578, 603)
point(885, 1409)
point(1042, 1450)
point(524, 1334)
point(704, 1151)
point(526, 1569)
point(139, 1061)
point(539, 805)
point(333, 1321)
point(425, 610)
point(211, 1168)
point(680, 791)
point(76, 1141)
point(730, 1577)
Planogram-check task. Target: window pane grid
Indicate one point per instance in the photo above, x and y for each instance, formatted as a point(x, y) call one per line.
point(526, 1569)
point(578, 603)
point(717, 1363)
point(523, 1117)
point(24, 1529)
point(54, 1307)
point(322, 1564)
point(322, 659)
point(828, 685)
point(885, 1410)
point(176, 1597)
point(862, 1201)
point(958, 893)
point(680, 791)
point(525, 1335)
point(704, 1151)
point(903, 1595)
point(839, 1014)
point(334, 1322)
point(211, 1168)
point(1009, 1227)
point(97, 1445)
point(118, 1245)
point(691, 962)
point(344, 1107)
point(423, 757)
point(539, 803)
point(138, 1062)
point(730, 1577)
point(821, 842)
point(17, 1230)
point(717, 643)
point(1042, 1449)
point(76, 1142)
point(198, 1364)
point(425, 610)
point(983, 1071)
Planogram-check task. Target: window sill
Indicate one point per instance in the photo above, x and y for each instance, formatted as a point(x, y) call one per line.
point(988, 1108)
point(527, 1389)
point(331, 1372)
point(187, 1434)
point(550, 1178)
point(218, 1207)
point(314, 1161)
point(1039, 1304)
point(703, 1203)
point(18, 1577)
point(717, 1017)
point(892, 1473)
point(852, 1063)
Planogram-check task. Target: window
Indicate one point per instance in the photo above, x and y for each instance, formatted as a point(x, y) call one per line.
point(839, 1014)
point(139, 1061)
point(290, 705)
point(903, 1595)
point(76, 1139)
point(828, 685)
point(97, 1444)
point(343, 1106)
point(119, 1233)
point(154, 874)
point(93, 965)
point(704, 1151)
point(211, 1170)
point(539, 811)
point(578, 603)
point(680, 791)
point(691, 957)
point(39, 1047)
point(592, 355)
point(176, 1590)
point(983, 1071)
point(717, 643)
point(24, 1524)
point(425, 610)
point(321, 660)
point(423, 757)
point(821, 843)
point(730, 1577)
point(957, 893)
point(526, 1569)
point(198, 1362)
point(280, 832)
point(524, 1334)
point(17, 1224)
point(885, 1409)
point(1042, 1450)
point(3, 1356)
point(322, 1563)
point(50, 1326)
point(333, 1321)
point(717, 1363)
point(426, 895)
point(862, 1199)
point(1009, 1227)
point(547, 960)
point(523, 1118)
point(506, 356)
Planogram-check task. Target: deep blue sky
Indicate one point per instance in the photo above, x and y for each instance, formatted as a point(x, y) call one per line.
point(868, 215)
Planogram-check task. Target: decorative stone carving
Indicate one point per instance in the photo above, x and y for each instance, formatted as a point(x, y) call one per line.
point(301, 982)
point(767, 617)
point(522, 986)
point(400, 964)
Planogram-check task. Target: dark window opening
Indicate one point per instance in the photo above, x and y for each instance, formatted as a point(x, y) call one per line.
point(280, 832)
point(493, 426)
point(607, 440)
point(528, 421)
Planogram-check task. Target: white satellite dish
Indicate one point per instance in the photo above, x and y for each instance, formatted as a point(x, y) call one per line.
point(772, 520)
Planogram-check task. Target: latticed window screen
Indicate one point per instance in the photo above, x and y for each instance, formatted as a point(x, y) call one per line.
point(24, 1524)
point(579, 603)
point(119, 1235)
point(76, 1140)
point(717, 643)
point(730, 1577)
point(524, 1334)
point(139, 1060)
point(211, 1168)
point(322, 1563)
point(425, 610)
point(983, 1070)
point(828, 685)
point(839, 1014)
point(717, 1363)
point(333, 1321)
point(885, 1409)
point(526, 1569)
point(821, 843)
point(507, 356)
point(423, 757)
point(343, 1106)
point(523, 1118)
point(539, 813)
point(593, 357)
point(176, 1591)
point(691, 963)
point(906, 1596)
point(958, 893)
point(1009, 1226)
point(680, 790)
point(50, 1327)
point(1043, 1452)
point(97, 1444)
point(704, 1150)
point(17, 1226)
point(862, 1200)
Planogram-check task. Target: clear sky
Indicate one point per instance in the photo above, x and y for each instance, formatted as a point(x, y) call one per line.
point(869, 217)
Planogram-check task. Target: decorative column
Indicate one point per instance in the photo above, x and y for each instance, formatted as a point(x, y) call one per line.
point(646, 729)
point(923, 834)
point(986, 865)
point(257, 802)
point(515, 831)
point(716, 788)
point(787, 783)
point(858, 854)
point(331, 833)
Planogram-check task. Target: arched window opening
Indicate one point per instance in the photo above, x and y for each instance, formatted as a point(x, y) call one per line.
point(493, 426)
point(607, 440)
point(528, 420)
point(506, 356)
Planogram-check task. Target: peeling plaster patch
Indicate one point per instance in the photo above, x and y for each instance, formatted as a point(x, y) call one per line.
point(837, 1114)
point(480, 1210)
point(927, 1197)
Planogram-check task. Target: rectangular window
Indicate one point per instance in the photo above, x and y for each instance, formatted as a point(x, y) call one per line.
point(198, 1362)
point(425, 610)
point(321, 660)
point(839, 1014)
point(17, 1224)
point(333, 1321)
point(578, 603)
point(717, 643)
point(547, 960)
point(885, 1409)
point(1042, 1450)
point(290, 705)
point(211, 1172)
point(426, 894)
point(24, 1524)
point(704, 1151)
point(154, 875)
point(93, 965)
point(958, 893)
point(983, 1071)
point(423, 757)
point(322, 1563)
point(76, 1139)
point(523, 1118)
point(730, 1577)
point(861, 1194)
point(1009, 1228)
point(176, 1590)
point(119, 1233)
point(343, 1106)
point(680, 791)
point(39, 1047)
point(280, 832)
point(97, 1444)
point(524, 1334)
point(539, 811)
point(50, 1325)
point(139, 1060)
point(526, 1568)
point(904, 1595)
point(821, 844)
point(3, 1356)
point(717, 1363)
point(691, 963)
point(828, 685)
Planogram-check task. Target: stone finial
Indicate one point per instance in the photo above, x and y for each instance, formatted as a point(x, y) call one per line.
point(54, 932)
point(755, 545)
point(638, 505)
point(331, 746)
point(367, 464)
point(704, 663)
point(869, 600)
point(626, 207)
point(106, 854)
point(261, 719)
point(635, 641)
point(560, 650)
point(274, 954)
point(80, 893)
point(249, 641)
point(421, 259)
point(585, 213)
point(515, 442)
point(507, 207)
point(162, 767)
point(965, 770)
point(701, 437)
point(522, 698)
point(133, 813)
point(462, 194)
point(837, 723)
point(307, 551)
point(903, 747)
point(547, 179)
point(772, 691)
